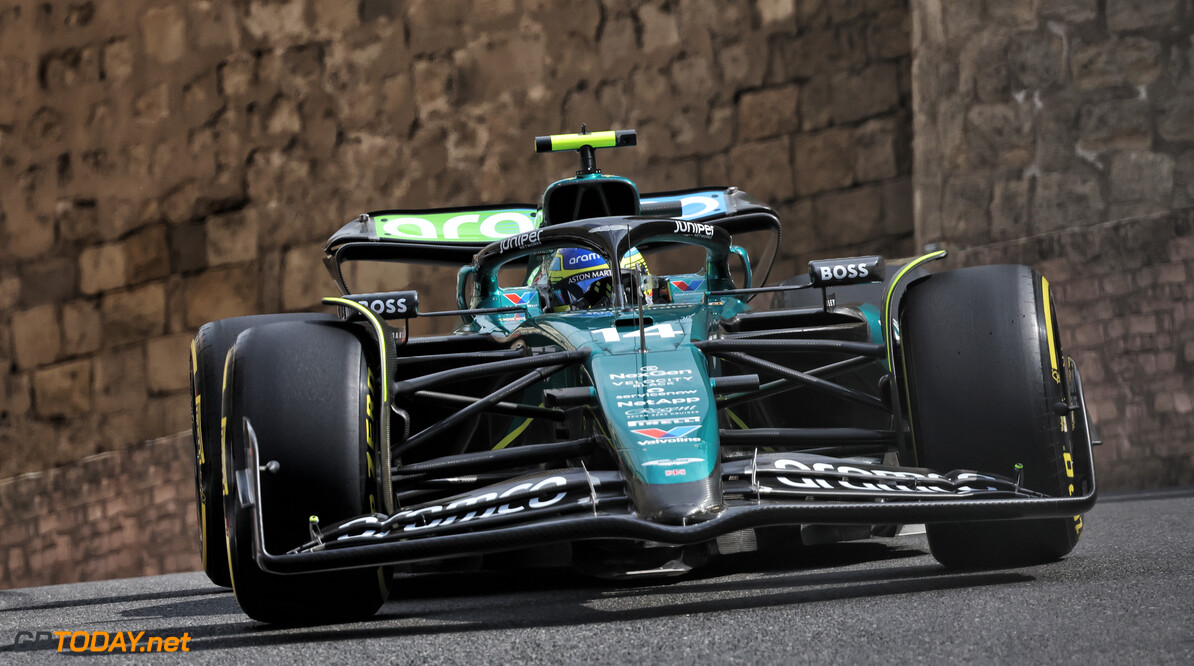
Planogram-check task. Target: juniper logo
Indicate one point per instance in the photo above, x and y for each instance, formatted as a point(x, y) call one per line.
point(695, 228)
point(519, 241)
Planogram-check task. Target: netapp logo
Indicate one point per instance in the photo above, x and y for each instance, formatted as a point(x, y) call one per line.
point(647, 402)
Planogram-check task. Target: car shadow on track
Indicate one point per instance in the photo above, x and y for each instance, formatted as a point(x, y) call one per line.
point(115, 599)
point(440, 604)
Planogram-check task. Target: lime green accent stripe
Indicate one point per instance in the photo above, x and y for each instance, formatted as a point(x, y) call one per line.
point(224, 424)
point(573, 141)
point(381, 340)
point(224, 469)
point(199, 445)
point(514, 434)
point(907, 394)
point(887, 337)
point(203, 534)
point(385, 395)
point(508, 439)
point(198, 405)
point(737, 421)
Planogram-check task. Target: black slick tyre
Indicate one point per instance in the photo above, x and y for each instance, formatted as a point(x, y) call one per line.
point(309, 393)
point(984, 375)
point(208, 350)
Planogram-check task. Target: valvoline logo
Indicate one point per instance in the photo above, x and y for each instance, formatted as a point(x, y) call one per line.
point(691, 285)
point(520, 297)
point(656, 433)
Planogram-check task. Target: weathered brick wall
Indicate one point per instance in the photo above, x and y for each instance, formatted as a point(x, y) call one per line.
point(1053, 132)
point(165, 163)
point(116, 514)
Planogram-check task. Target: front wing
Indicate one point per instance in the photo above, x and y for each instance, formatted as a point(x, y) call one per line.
point(568, 505)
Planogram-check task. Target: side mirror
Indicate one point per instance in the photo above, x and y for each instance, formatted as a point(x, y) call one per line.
point(462, 284)
point(742, 254)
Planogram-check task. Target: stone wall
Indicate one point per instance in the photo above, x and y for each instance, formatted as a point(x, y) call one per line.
point(117, 514)
point(1039, 115)
point(164, 163)
point(1060, 133)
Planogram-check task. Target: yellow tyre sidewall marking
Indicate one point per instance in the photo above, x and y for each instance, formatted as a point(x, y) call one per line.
point(1052, 341)
point(224, 467)
point(370, 446)
point(200, 456)
point(1049, 329)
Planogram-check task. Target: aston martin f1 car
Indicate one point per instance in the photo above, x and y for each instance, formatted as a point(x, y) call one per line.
point(612, 401)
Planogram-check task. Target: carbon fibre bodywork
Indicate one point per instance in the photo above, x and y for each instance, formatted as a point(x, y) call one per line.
point(634, 439)
point(673, 416)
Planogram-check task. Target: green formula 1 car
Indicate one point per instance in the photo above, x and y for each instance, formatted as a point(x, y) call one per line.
point(611, 401)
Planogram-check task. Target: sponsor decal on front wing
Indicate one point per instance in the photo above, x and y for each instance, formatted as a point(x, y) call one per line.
point(464, 509)
point(867, 478)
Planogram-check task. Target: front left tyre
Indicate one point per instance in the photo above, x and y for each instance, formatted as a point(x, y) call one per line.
point(308, 391)
point(208, 350)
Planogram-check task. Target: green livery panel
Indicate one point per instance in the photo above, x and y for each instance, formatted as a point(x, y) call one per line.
point(468, 226)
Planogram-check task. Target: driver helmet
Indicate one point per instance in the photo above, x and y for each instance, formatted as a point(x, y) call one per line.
point(580, 279)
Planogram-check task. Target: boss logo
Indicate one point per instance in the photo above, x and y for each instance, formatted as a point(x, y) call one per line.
point(390, 305)
point(853, 270)
point(842, 271)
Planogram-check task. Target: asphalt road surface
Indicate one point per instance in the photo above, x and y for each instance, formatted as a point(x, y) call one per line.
point(1125, 596)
